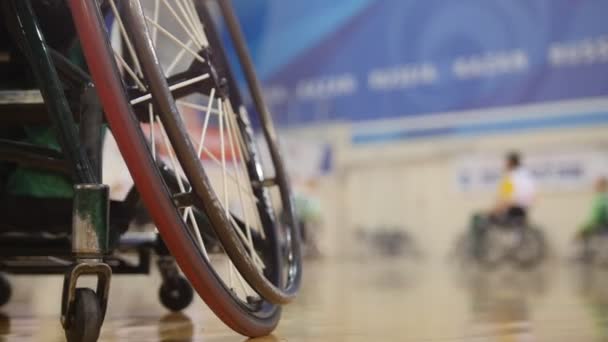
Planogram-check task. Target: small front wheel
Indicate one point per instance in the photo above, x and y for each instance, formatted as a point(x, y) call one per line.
point(85, 319)
point(176, 294)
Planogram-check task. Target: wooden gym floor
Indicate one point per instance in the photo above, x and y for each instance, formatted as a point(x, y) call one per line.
point(356, 300)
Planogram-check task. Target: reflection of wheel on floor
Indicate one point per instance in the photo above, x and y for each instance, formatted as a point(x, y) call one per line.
point(531, 249)
point(85, 319)
point(491, 250)
point(5, 290)
point(176, 294)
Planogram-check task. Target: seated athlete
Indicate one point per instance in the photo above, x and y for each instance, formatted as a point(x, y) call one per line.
point(516, 193)
point(598, 216)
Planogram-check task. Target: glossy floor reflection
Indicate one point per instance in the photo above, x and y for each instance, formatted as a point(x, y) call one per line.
point(358, 300)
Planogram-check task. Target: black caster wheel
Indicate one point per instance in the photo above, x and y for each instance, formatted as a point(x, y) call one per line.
point(176, 294)
point(5, 290)
point(85, 318)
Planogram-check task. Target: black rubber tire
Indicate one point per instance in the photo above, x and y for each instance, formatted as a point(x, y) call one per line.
point(270, 284)
point(532, 238)
point(290, 236)
point(176, 294)
point(5, 290)
point(85, 318)
point(249, 319)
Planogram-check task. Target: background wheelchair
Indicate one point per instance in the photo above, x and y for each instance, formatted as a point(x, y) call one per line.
point(90, 68)
point(593, 248)
point(512, 239)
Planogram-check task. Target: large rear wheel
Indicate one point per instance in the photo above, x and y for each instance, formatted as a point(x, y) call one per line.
point(189, 95)
point(216, 280)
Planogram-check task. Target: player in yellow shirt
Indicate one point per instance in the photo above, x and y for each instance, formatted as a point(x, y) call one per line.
point(516, 193)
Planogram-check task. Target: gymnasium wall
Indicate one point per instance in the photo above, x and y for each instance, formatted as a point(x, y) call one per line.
point(410, 105)
point(415, 184)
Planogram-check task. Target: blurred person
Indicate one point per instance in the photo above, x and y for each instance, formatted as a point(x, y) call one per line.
point(597, 220)
point(309, 216)
point(598, 215)
point(516, 194)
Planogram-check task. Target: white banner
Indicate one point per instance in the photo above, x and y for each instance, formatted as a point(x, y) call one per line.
point(553, 171)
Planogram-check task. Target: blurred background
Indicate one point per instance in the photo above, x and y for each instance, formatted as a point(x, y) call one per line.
point(395, 117)
point(398, 113)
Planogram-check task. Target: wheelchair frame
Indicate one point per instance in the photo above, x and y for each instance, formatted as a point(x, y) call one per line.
point(90, 252)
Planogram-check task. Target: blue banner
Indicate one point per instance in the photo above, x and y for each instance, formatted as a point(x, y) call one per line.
point(354, 60)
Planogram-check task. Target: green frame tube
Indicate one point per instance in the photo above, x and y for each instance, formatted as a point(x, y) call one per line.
point(39, 58)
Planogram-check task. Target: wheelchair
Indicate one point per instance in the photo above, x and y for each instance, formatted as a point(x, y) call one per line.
point(73, 71)
point(593, 248)
point(511, 239)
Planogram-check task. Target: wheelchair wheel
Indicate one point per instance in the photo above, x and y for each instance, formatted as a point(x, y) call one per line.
point(230, 187)
point(531, 249)
point(491, 252)
point(176, 294)
point(139, 100)
point(86, 318)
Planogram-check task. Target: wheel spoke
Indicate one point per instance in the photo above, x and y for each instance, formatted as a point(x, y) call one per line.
point(123, 32)
point(197, 231)
point(233, 273)
point(177, 59)
point(181, 23)
point(189, 82)
point(130, 71)
point(154, 29)
point(173, 87)
point(245, 209)
point(201, 146)
point(255, 256)
point(239, 277)
point(188, 212)
point(223, 154)
point(205, 124)
point(198, 107)
point(230, 273)
point(244, 115)
point(175, 40)
point(239, 159)
point(219, 163)
point(189, 20)
point(234, 125)
point(152, 137)
point(197, 22)
point(180, 182)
